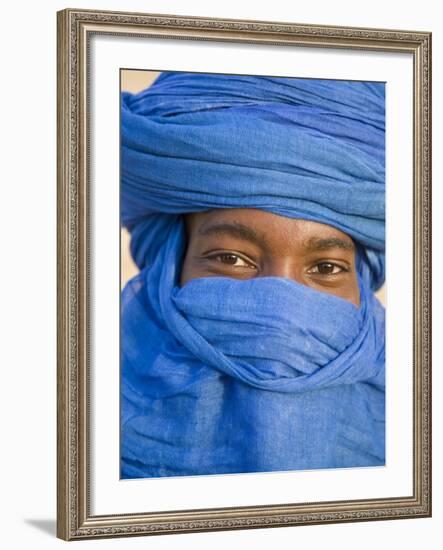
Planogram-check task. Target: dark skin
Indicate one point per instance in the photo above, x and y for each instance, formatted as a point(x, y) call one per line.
point(244, 243)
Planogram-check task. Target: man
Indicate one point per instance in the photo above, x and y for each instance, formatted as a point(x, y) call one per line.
point(251, 339)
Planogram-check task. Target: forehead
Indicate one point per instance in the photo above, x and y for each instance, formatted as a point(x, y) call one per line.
point(270, 228)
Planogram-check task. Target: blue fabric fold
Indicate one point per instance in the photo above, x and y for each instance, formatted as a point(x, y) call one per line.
point(229, 376)
point(310, 149)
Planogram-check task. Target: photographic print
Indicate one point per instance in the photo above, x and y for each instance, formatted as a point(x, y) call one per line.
point(243, 274)
point(251, 338)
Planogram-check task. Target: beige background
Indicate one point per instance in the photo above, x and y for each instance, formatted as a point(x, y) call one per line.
point(135, 81)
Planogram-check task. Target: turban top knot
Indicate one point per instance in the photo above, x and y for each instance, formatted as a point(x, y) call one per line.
point(226, 376)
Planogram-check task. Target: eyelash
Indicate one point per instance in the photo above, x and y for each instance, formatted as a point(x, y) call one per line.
point(217, 257)
point(340, 267)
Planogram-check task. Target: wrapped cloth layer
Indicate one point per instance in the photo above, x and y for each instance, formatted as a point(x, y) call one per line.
point(229, 376)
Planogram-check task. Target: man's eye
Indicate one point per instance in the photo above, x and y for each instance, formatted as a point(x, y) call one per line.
point(231, 259)
point(327, 268)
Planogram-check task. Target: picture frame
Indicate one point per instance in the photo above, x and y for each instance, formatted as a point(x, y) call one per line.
point(81, 253)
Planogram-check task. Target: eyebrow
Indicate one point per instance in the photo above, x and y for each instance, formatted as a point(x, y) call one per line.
point(236, 230)
point(315, 244)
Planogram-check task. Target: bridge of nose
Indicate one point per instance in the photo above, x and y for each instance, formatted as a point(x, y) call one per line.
point(283, 267)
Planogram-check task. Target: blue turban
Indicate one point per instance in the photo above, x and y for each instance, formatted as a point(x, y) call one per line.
point(226, 376)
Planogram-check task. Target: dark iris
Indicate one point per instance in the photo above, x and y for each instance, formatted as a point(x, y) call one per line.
point(325, 268)
point(228, 258)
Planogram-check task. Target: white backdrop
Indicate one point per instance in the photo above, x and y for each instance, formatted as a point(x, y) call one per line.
point(28, 402)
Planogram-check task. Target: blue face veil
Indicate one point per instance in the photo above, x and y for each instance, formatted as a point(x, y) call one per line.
point(229, 376)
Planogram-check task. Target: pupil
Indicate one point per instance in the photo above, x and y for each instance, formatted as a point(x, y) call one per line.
point(326, 268)
point(229, 258)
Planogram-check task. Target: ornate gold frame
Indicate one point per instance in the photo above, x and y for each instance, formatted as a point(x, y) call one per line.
point(75, 27)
